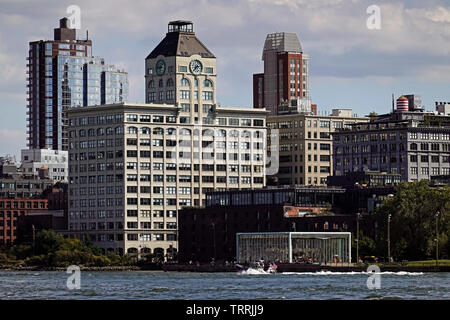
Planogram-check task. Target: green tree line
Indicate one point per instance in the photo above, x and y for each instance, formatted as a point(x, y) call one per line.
point(419, 214)
point(51, 249)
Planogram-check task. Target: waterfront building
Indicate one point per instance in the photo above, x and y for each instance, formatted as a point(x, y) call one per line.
point(414, 144)
point(285, 76)
point(62, 73)
point(210, 232)
point(56, 161)
point(305, 144)
point(133, 166)
point(291, 247)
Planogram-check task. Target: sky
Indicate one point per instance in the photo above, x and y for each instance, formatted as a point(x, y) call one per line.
point(351, 65)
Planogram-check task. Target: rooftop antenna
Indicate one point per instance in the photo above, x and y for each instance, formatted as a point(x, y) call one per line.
point(392, 103)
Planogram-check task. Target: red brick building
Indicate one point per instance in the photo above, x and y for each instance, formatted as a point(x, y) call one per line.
point(285, 76)
point(11, 210)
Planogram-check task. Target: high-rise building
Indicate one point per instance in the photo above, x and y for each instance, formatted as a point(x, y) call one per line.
point(285, 77)
point(133, 166)
point(62, 74)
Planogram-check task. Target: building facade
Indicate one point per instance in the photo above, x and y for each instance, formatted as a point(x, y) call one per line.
point(415, 145)
point(10, 212)
point(210, 232)
point(306, 145)
point(56, 161)
point(285, 76)
point(62, 74)
point(132, 166)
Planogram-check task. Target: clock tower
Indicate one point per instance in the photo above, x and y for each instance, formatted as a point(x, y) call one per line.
point(182, 71)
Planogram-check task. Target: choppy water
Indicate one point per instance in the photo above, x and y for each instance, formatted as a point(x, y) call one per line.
point(252, 285)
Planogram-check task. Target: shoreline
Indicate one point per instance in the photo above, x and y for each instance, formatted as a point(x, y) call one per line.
point(206, 268)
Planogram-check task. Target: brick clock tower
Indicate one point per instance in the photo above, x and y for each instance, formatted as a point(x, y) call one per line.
point(182, 71)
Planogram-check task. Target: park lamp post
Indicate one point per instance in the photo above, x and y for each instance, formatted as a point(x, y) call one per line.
point(437, 238)
point(357, 237)
point(389, 237)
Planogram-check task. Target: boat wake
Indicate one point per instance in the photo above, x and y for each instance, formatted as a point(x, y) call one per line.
point(252, 271)
point(327, 273)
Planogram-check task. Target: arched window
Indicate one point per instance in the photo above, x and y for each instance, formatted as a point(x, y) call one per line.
point(185, 132)
point(246, 134)
point(109, 131)
point(151, 84)
point(184, 82)
point(221, 133)
point(208, 132)
point(161, 83)
point(132, 130)
point(119, 130)
point(413, 146)
point(100, 131)
point(234, 133)
point(158, 130)
point(170, 83)
point(171, 131)
point(82, 133)
point(145, 130)
point(91, 133)
point(208, 83)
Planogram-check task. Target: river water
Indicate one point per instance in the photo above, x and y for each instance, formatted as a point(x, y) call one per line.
point(218, 286)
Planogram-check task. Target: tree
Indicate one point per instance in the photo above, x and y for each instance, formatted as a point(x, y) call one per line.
point(413, 221)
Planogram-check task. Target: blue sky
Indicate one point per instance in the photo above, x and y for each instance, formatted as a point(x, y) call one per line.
point(350, 65)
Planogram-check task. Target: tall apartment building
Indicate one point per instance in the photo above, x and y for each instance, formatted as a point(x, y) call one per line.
point(133, 166)
point(306, 145)
point(414, 144)
point(285, 77)
point(62, 74)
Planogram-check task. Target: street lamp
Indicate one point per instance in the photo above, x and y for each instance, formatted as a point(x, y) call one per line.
point(389, 237)
point(357, 237)
point(437, 238)
point(214, 239)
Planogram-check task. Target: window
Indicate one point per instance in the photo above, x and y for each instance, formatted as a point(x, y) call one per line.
point(184, 94)
point(209, 70)
point(207, 95)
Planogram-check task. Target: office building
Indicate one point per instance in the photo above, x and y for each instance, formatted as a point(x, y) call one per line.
point(56, 161)
point(414, 144)
point(306, 145)
point(61, 74)
point(133, 166)
point(285, 76)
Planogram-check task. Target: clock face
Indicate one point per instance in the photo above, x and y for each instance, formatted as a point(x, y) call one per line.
point(160, 67)
point(196, 66)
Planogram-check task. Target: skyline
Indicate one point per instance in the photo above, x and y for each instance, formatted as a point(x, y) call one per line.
point(350, 67)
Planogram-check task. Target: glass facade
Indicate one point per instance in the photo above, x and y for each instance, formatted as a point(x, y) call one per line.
point(294, 247)
point(72, 79)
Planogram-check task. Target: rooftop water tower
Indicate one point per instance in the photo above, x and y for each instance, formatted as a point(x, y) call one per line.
point(402, 104)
